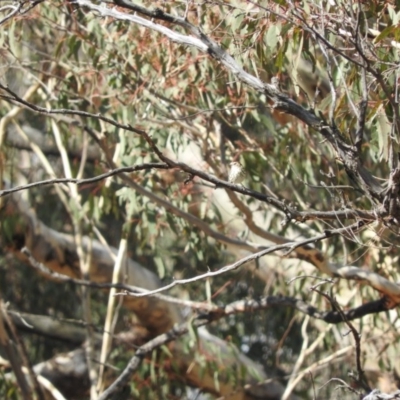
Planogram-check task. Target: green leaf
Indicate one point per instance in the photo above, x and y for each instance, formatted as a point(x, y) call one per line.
point(160, 266)
point(385, 33)
point(272, 37)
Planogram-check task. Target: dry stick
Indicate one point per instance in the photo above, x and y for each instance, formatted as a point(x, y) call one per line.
point(121, 286)
point(313, 386)
point(300, 359)
point(84, 262)
point(291, 246)
point(15, 10)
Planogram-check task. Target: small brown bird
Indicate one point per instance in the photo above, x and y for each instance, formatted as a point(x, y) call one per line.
point(236, 173)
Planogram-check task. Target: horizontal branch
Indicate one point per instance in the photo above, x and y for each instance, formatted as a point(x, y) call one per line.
point(80, 182)
point(330, 317)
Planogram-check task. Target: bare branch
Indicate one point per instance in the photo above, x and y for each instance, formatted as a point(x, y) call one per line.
point(85, 181)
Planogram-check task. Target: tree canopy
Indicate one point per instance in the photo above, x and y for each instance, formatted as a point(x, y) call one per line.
point(131, 266)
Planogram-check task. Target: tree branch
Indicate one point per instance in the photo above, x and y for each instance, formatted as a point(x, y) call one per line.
point(85, 181)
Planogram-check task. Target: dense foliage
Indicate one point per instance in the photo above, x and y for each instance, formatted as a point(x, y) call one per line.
point(304, 95)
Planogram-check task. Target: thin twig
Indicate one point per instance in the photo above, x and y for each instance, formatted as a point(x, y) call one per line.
point(85, 181)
